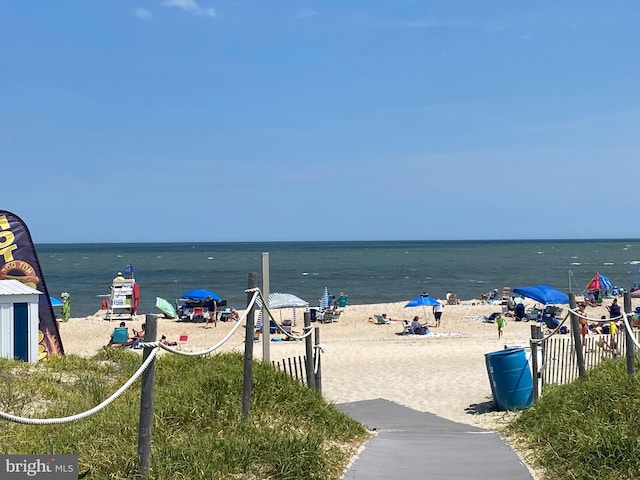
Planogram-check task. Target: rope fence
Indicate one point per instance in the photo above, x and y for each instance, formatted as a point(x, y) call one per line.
point(155, 347)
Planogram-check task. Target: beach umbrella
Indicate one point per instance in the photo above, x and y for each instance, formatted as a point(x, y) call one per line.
point(55, 302)
point(599, 282)
point(282, 300)
point(165, 307)
point(200, 294)
point(324, 300)
point(542, 294)
point(423, 301)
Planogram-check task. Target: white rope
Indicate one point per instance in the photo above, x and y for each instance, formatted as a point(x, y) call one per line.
point(97, 408)
point(595, 320)
point(319, 349)
point(629, 329)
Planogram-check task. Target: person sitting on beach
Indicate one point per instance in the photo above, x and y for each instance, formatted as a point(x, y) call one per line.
point(164, 341)
point(125, 341)
point(234, 316)
point(138, 335)
point(416, 327)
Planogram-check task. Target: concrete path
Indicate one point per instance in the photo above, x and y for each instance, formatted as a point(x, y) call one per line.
point(414, 445)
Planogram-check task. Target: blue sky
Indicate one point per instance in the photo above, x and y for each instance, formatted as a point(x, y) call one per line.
point(183, 120)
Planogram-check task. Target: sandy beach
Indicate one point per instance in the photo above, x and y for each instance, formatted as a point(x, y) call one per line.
point(444, 374)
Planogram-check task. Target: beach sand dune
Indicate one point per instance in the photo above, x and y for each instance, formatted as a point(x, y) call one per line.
point(445, 375)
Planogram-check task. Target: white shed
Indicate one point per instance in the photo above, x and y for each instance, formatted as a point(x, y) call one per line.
point(19, 321)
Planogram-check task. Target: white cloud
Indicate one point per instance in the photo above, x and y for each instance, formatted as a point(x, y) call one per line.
point(142, 13)
point(190, 6)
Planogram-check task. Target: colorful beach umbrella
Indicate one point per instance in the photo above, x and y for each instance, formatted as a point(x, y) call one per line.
point(599, 282)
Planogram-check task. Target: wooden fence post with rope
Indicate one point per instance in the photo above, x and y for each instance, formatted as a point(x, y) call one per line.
point(308, 345)
point(247, 377)
point(577, 339)
point(631, 350)
point(146, 398)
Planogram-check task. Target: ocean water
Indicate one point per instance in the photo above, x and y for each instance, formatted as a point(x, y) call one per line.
point(369, 272)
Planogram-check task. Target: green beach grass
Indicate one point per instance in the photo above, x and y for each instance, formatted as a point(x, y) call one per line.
point(584, 430)
point(198, 429)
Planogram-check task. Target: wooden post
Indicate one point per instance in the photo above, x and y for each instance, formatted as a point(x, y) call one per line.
point(536, 357)
point(266, 322)
point(318, 374)
point(247, 378)
point(577, 339)
point(309, 351)
point(146, 399)
point(630, 346)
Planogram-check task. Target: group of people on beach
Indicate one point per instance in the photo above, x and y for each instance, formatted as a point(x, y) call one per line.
point(133, 341)
point(604, 326)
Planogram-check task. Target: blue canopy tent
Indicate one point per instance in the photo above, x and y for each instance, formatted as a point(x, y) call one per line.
point(543, 294)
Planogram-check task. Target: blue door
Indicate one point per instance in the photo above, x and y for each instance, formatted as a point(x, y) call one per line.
point(21, 331)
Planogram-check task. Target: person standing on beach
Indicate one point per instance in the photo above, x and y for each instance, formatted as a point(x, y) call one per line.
point(614, 309)
point(437, 312)
point(212, 312)
point(584, 323)
point(501, 322)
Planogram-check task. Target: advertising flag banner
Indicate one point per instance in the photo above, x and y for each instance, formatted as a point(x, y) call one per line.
point(19, 261)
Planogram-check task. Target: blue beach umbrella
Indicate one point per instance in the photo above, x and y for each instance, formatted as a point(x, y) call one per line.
point(200, 294)
point(423, 301)
point(55, 302)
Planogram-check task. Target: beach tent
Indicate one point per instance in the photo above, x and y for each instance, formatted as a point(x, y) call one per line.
point(542, 294)
point(599, 282)
point(279, 301)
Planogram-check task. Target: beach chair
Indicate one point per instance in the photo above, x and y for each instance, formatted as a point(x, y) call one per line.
point(380, 320)
point(453, 299)
point(120, 337)
point(197, 313)
point(341, 303)
point(406, 328)
point(327, 316)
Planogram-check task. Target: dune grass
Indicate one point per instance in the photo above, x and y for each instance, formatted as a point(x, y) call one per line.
point(587, 429)
point(198, 429)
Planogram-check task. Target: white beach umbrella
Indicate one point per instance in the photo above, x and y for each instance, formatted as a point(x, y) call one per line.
point(324, 300)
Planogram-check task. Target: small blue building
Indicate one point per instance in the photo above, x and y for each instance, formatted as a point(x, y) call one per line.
point(19, 321)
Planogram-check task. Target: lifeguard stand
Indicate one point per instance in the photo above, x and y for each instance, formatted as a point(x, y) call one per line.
point(123, 300)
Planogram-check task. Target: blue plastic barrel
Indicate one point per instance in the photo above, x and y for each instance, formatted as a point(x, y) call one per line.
point(510, 378)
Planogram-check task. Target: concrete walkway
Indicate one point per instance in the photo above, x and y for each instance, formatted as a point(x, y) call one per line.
point(414, 445)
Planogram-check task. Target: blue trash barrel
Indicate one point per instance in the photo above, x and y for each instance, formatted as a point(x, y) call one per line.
point(510, 378)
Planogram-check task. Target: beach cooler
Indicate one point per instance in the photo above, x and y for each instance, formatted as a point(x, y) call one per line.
point(510, 378)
